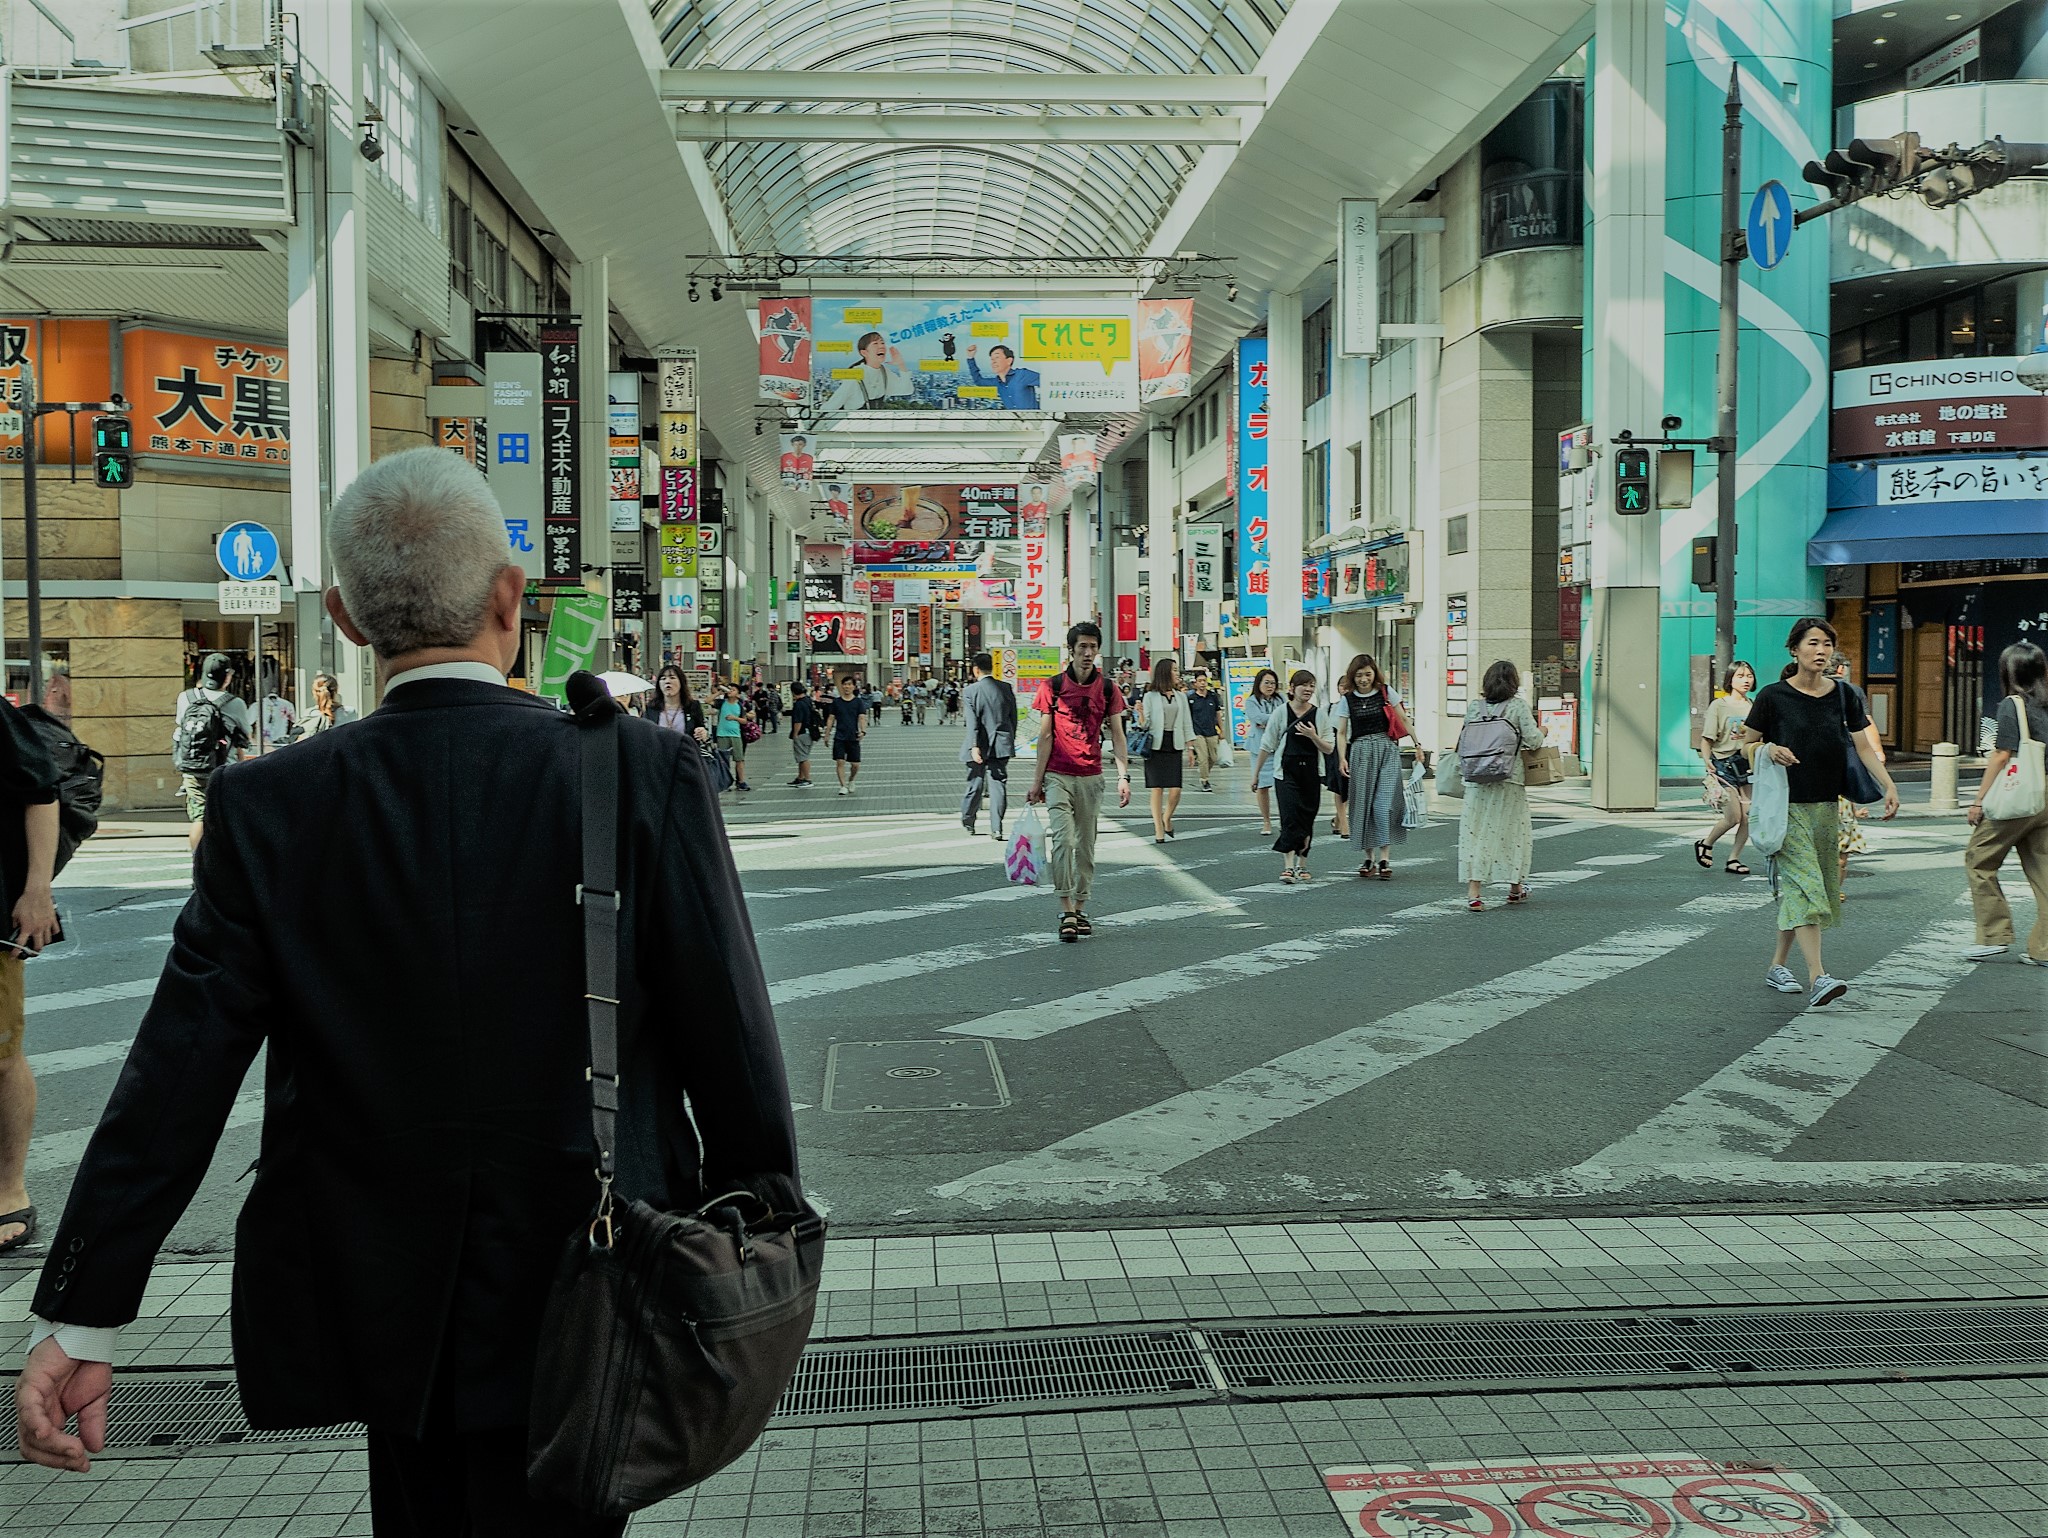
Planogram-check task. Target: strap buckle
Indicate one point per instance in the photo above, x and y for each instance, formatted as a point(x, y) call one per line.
point(595, 895)
point(603, 1219)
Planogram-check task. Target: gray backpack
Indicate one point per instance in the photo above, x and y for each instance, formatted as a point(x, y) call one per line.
point(1487, 748)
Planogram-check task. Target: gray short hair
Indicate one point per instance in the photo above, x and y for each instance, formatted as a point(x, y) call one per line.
point(417, 540)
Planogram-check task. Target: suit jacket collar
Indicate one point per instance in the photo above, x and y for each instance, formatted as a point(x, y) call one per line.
point(444, 693)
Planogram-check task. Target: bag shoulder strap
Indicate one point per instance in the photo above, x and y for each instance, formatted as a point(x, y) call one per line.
point(599, 897)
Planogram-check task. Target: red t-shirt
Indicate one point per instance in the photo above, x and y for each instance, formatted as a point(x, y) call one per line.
point(1077, 716)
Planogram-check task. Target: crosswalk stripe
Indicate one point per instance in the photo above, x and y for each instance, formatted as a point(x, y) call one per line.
point(1036, 1020)
point(63, 1150)
point(1757, 1105)
point(1003, 893)
point(814, 985)
point(1103, 1163)
point(71, 1059)
point(78, 998)
point(94, 950)
point(1728, 902)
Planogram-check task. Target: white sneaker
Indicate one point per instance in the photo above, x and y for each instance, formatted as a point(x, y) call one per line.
point(1781, 978)
point(1984, 952)
point(842, 790)
point(1825, 991)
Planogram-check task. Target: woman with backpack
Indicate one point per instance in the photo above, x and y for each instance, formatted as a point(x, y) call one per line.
point(1294, 742)
point(1495, 840)
point(1812, 726)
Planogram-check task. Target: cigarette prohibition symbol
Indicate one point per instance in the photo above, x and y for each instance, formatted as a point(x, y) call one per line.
point(1592, 1511)
point(1406, 1514)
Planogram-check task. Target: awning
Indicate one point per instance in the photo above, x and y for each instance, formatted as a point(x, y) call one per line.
point(1944, 523)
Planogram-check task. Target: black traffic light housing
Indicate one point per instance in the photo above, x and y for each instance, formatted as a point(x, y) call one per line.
point(1631, 479)
point(1706, 559)
point(113, 453)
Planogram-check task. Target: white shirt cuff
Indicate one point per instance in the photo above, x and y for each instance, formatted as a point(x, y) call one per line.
point(80, 1342)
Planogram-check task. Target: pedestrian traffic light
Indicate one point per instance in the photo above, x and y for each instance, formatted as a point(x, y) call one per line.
point(1631, 479)
point(1706, 556)
point(113, 458)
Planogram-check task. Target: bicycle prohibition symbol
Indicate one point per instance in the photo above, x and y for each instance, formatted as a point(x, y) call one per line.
point(1750, 1508)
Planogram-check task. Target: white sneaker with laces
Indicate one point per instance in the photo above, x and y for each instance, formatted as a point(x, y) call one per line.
point(842, 790)
point(1825, 991)
point(1984, 952)
point(1781, 978)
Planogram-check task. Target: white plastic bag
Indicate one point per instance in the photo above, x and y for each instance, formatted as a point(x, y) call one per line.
point(1226, 755)
point(1770, 801)
point(2022, 790)
point(1025, 856)
point(1414, 810)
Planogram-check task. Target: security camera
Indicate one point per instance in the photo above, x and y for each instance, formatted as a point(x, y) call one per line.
point(371, 149)
point(1230, 292)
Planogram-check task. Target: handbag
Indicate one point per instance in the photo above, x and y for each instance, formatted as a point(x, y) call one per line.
point(1858, 783)
point(1770, 803)
point(668, 1336)
point(1397, 723)
point(2022, 790)
point(717, 766)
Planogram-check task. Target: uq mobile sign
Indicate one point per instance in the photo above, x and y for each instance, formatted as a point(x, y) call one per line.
point(840, 355)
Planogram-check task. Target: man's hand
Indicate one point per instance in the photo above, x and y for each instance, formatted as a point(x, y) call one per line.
point(51, 1390)
point(1975, 813)
point(975, 755)
point(1035, 796)
point(1123, 788)
point(35, 916)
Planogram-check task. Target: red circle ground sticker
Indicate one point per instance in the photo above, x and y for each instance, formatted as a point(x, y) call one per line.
point(1749, 1508)
point(1592, 1511)
point(1432, 1514)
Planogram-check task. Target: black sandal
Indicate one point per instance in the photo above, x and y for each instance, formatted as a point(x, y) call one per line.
point(26, 1216)
point(1070, 931)
point(1386, 871)
point(1081, 925)
point(1703, 852)
point(1736, 868)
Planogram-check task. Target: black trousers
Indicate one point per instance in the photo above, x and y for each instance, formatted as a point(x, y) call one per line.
point(1299, 794)
point(465, 1484)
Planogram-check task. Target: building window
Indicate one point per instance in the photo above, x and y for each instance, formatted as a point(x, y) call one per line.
point(458, 245)
point(1531, 190)
point(1391, 503)
point(1315, 489)
point(1397, 283)
point(1980, 322)
point(1315, 357)
point(489, 267)
point(411, 131)
point(1457, 534)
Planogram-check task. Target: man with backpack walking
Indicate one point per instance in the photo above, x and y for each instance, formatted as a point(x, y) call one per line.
point(212, 726)
point(1076, 702)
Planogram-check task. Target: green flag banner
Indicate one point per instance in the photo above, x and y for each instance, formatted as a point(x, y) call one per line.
point(574, 631)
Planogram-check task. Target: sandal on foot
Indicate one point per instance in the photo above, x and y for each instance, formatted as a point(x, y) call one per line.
point(1703, 852)
point(1081, 925)
point(1736, 868)
point(1476, 905)
point(27, 1217)
point(1386, 871)
point(1069, 930)
point(1287, 878)
point(1518, 894)
point(1365, 871)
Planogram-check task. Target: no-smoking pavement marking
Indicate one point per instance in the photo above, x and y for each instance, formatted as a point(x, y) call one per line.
point(1619, 1496)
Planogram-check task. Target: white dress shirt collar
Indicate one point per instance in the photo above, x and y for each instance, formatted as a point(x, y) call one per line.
point(470, 672)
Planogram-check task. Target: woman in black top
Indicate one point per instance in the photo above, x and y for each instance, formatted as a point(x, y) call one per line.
point(1811, 724)
point(1369, 752)
point(1292, 739)
point(672, 709)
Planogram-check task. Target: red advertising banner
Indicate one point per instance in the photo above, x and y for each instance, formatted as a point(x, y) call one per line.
point(786, 351)
point(924, 633)
point(678, 494)
point(837, 632)
point(1127, 616)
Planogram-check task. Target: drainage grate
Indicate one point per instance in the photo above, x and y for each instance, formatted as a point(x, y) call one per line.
point(162, 1413)
point(877, 1381)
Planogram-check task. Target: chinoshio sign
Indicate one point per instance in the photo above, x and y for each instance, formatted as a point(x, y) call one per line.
point(1623, 1496)
point(1940, 407)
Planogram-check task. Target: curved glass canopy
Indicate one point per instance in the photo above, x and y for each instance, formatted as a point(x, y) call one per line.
point(997, 199)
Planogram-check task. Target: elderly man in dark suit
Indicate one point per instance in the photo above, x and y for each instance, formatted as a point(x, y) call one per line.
point(990, 706)
point(418, 983)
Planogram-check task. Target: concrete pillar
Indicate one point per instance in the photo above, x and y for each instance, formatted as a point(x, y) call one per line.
point(1162, 491)
point(1284, 535)
point(1056, 610)
point(1626, 104)
point(1081, 536)
point(327, 332)
point(590, 298)
point(1434, 721)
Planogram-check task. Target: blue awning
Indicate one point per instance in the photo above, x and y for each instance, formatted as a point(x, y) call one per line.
point(1859, 529)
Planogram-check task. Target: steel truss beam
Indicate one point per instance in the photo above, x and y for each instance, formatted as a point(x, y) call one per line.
point(962, 88)
point(949, 128)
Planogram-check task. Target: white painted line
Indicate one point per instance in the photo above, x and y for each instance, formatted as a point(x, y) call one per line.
point(814, 985)
point(1104, 1163)
point(1728, 902)
point(91, 950)
point(787, 891)
point(1755, 1107)
point(71, 1059)
point(1036, 1020)
point(1559, 830)
point(79, 998)
point(150, 907)
point(920, 872)
point(63, 1150)
point(995, 894)
point(1620, 859)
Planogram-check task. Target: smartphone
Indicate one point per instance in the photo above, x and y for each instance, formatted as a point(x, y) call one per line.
point(13, 942)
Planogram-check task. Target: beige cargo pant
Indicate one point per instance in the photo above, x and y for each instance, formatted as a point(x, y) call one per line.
point(1073, 808)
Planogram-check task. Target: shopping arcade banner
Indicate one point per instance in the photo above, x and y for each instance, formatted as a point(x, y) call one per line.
point(796, 461)
point(836, 632)
point(1166, 348)
point(1254, 568)
point(951, 560)
point(1079, 463)
point(924, 513)
point(907, 354)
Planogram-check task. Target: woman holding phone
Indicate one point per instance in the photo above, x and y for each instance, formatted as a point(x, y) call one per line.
point(1292, 738)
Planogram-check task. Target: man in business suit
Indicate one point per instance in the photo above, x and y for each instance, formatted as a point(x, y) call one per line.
point(418, 982)
point(990, 706)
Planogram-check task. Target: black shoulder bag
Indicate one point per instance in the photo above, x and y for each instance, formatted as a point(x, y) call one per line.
point(1858, 783)
point(669, 1336)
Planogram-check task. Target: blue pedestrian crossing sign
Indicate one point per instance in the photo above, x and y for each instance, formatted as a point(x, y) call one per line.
point(247, 552)
point(1770, 225)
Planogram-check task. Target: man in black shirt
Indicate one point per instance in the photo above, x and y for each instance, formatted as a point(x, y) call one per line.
point(849, 725)
point(806, 726)
point(28, 857)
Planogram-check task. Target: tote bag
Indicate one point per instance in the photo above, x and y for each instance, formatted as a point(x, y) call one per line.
point(1770, 804)
point(2022, 791)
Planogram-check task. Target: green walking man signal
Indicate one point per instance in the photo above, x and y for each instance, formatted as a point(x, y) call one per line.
point(1631, 480)
point(113, 459)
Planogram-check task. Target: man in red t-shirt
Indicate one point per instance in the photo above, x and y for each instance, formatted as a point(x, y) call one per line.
point(1075, 703)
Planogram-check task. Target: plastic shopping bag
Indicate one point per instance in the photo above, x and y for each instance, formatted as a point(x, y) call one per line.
point(1770, 800)
point(1415, 810)
point(1226, 755)
point(1025, 857)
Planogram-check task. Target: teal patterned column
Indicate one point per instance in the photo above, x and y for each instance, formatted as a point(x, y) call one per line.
point(1784, 49)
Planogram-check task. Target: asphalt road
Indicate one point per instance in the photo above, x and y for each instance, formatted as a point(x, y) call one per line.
point(1228, 1046)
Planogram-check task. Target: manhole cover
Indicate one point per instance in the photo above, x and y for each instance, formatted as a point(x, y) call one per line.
point(947, 1075)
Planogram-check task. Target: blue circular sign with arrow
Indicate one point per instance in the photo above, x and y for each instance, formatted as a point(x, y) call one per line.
point(247, 552)
point(1770, 225)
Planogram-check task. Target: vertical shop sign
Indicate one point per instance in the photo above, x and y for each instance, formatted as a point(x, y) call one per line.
point(678, 550)
point(1254, 570)
point(679, 484)
point(1204, 578)
point(561, 557)
point(786, 351)
point(464, 437)
point(514, 439)
point(1166, 348)
point(1034, 584)
point(899, 636)
point(678, 382)
point(622, 427)
point(1358, 278)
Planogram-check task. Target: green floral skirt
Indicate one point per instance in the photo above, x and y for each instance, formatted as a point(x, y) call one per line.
point(1808, 871)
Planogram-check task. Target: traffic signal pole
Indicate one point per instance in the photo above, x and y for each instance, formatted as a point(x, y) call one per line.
point(31, 533)
point(1725, 381)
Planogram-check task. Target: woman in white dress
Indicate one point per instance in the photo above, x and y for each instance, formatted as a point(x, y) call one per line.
point(1495, 840)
